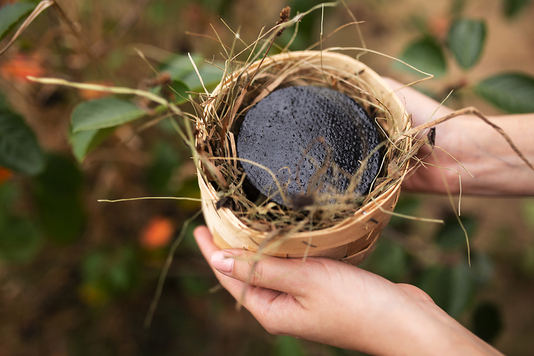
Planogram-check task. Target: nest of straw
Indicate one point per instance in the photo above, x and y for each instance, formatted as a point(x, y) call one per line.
point(248, 84)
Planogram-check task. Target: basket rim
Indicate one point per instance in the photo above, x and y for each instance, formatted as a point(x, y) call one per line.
point(365, 211)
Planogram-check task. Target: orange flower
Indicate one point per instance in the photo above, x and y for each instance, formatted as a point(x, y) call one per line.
point(157, 233)
point(20, 66)
point(439, 26)
point(5, 174)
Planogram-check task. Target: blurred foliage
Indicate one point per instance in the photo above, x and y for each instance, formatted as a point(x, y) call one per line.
point(161, 170)
point(512, 8)
point(78, 276)
point(426, 55)
point(12, 14)
point(451, 287)
point(108, 273)
point(465, 40)
point(288, 346)
point(19, 150)
point(20, 239)
point(511, 92)
point(451, 235)
point(104, 113)
point(58, 197)
point(487, 321)
point(388, 260)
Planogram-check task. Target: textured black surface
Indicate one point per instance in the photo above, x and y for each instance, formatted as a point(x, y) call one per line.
point(307, 129)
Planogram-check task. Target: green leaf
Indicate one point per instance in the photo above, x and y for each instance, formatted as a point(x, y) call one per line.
point(189, 188)
point(388, 260)
point(179, 66)
point(19, 150)
point(181, 69)
point(436, 281)
point(462, 289)
point(180, 89)
point(288, 346)
point(466, 41)
point(112, 271)
point(425, 54)
point(58, 198)
point(194, 286)
point(165, 160)
point(511, 92)
point(11, 14)
point(451, 234)
point(83, 142)
point(4, 105)
point(9, 193)
point(211, 76)
point(19, 240)
point(177, 88)
point(451, 288)
point(512, 8)
point(482, 268)
point(62, 178)
point(103, 113)
point(487, 321)
point(407, 205)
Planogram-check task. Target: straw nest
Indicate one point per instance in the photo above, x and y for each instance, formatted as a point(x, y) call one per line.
point(342, 226)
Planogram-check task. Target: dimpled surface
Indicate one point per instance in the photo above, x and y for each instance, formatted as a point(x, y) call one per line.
point(307, 129)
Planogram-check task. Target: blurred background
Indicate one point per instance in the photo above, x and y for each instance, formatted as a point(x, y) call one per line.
point(77, 276)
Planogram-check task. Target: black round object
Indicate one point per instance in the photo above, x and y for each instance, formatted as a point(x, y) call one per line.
point(313, 132)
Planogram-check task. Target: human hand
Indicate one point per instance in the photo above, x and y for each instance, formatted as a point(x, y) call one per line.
point(469, 155)
point(429, 178)
point(338, 304)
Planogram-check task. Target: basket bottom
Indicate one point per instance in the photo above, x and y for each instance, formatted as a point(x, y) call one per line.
point(354, 253)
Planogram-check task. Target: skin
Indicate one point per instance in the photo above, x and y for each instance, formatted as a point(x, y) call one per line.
point(495, 167)
point(338, 304)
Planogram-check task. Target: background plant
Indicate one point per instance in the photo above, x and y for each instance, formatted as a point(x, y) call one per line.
point(77, 277)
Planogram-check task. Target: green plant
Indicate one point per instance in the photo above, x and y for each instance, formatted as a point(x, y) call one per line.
point(79, 264)
point(464, 41)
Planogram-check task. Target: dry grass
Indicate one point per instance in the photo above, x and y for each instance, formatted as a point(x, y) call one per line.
point(219, 120)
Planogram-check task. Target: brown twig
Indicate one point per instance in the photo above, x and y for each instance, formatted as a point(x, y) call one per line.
point(77, 33)
point(284, 16)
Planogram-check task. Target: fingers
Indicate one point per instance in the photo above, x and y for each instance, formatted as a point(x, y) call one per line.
point(205, 241)
point(273, 309)
point(283, 275)
point(237, 269)
point(208, 248)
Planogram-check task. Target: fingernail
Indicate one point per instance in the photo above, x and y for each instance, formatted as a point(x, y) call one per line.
point(222, 261)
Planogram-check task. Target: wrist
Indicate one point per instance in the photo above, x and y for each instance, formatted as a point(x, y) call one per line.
point(434, 332)
point(485, 162)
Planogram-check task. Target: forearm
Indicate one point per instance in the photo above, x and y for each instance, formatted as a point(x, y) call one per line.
point(410, 327)
point(442, 335)
point(485, 162)
point(494, 168)
point(333, 303)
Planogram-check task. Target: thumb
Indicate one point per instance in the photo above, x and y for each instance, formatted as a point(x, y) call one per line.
point(280, 274)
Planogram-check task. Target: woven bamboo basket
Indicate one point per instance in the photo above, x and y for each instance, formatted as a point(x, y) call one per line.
point(350, 240)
